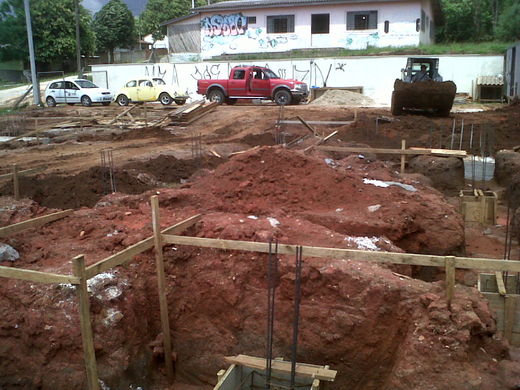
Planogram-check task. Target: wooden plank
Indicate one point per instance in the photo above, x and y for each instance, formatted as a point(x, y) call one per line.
point(329, 123)
point(410, 152)
point(348, 254)
point(161, 284)
point(509, 316)
point(309, 127)
point(24, 172)
point(243, 151)
point(36, 276)
point(403, 157)
point(500, 283)
point(302, 369)
point(129, 253)
point(78, 265)
point(33, 223)
point(16, 183)
point(321, 140)
point(450, 278)
point(126, 111)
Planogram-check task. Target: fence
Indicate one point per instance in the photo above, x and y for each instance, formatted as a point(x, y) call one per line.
point(81, 272)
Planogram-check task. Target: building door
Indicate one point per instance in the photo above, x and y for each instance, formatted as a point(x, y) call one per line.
point(320, 28)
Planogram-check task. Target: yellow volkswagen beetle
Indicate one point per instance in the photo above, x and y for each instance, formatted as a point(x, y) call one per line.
point(149, 89)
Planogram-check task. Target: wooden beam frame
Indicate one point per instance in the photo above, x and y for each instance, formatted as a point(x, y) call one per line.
point(349, 254)
point(36, 276)
point(408, 152)
point(33, 223)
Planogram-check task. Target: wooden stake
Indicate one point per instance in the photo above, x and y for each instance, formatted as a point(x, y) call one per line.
point(450, 278)
point(78, 264)
point(509, 316)
point(403, 157)
point(16, 183)
point(161, 280)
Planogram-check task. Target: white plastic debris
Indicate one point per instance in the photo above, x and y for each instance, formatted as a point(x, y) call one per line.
point(384, 184)
point(273, 221)
point(364, 243)
point(252, 217)
point(374, 208)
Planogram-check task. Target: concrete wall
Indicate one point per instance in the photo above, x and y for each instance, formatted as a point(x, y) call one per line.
point(375, 74)
point(227, 32)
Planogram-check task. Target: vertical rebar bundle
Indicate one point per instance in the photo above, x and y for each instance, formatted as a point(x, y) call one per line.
point(107, 171)
point(196, 146)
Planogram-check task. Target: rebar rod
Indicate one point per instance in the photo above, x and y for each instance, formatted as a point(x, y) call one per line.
point(272, 274)
point(461, 134)
point(452, 134)
point(297, 298)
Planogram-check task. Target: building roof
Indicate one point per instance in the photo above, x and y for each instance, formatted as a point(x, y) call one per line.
point(249, 4)
point(180, 18)
point(238, 5)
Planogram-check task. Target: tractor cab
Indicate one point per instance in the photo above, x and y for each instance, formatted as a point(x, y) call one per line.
point(413, 65)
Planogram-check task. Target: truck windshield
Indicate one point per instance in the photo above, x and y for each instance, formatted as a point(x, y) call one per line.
point(270, 74)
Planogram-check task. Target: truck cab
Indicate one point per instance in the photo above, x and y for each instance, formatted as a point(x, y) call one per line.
point(253, 82)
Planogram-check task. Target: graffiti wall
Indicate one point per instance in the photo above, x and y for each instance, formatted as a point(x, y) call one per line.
point(376, 75)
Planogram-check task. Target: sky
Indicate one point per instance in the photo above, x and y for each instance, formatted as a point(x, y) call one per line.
point(136, 6)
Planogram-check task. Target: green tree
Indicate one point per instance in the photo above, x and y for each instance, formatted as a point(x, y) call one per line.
point(508, 27)
point(54, 31)
point(158, 11)
point(114, 27)
point(467, 20)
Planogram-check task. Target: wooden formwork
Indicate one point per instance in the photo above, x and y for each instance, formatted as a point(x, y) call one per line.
point(478, 206)
point(504, 301)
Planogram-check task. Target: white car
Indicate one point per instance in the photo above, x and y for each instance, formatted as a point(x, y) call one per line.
point(76, 91)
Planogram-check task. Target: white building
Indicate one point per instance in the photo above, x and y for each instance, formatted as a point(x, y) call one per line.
point(251, 26)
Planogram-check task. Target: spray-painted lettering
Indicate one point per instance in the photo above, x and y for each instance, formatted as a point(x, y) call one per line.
point(224, 25)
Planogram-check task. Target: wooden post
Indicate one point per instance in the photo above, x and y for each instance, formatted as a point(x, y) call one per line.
point(403, 157)
point(509, 316)
point(450, 278)
point(161, 280)
point(78, 265)
point(16, 183)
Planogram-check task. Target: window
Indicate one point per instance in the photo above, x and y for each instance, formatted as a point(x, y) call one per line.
point(131, 84)
point(54, 86)
point(320, 23)
point(159, 81)
point(251, 20)
point(432, 30)
point(70, 85)
point(280, 24)
point(239, 74)
point(422, 20)
point(387, 26)
point(417, 24)
point(362, 20)
point(86, 84)
point(145, 83)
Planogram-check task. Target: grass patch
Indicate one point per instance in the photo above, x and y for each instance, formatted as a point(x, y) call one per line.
point(446, 48)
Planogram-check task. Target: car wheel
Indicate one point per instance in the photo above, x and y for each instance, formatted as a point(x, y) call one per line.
point(86, 101)
point(165, 99)
point(71, 104)
point(180, 102)
point(50, 101)
point(122, 100)
point(282, 97)
point(106, 103)
point(216, 95)
point(231, 101)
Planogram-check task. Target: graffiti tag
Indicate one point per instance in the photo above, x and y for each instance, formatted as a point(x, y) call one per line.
point(224, 25)
point(209, 72)
point(154, 72)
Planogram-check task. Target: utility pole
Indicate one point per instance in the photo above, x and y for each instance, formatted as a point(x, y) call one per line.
point(78, 44)
point(34, 77)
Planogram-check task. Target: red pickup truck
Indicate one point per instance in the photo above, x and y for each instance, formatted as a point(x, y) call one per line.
point(253, 82)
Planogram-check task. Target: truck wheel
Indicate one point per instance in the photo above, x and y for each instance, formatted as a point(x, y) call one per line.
point(231, 101)
point(282, 97)
point(396, 108)
point(216, 95)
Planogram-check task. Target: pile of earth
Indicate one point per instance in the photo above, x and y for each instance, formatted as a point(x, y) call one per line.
point(338, 97)
point(378, 328)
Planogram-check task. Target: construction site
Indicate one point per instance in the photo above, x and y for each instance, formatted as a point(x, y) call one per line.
point(205, 246)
